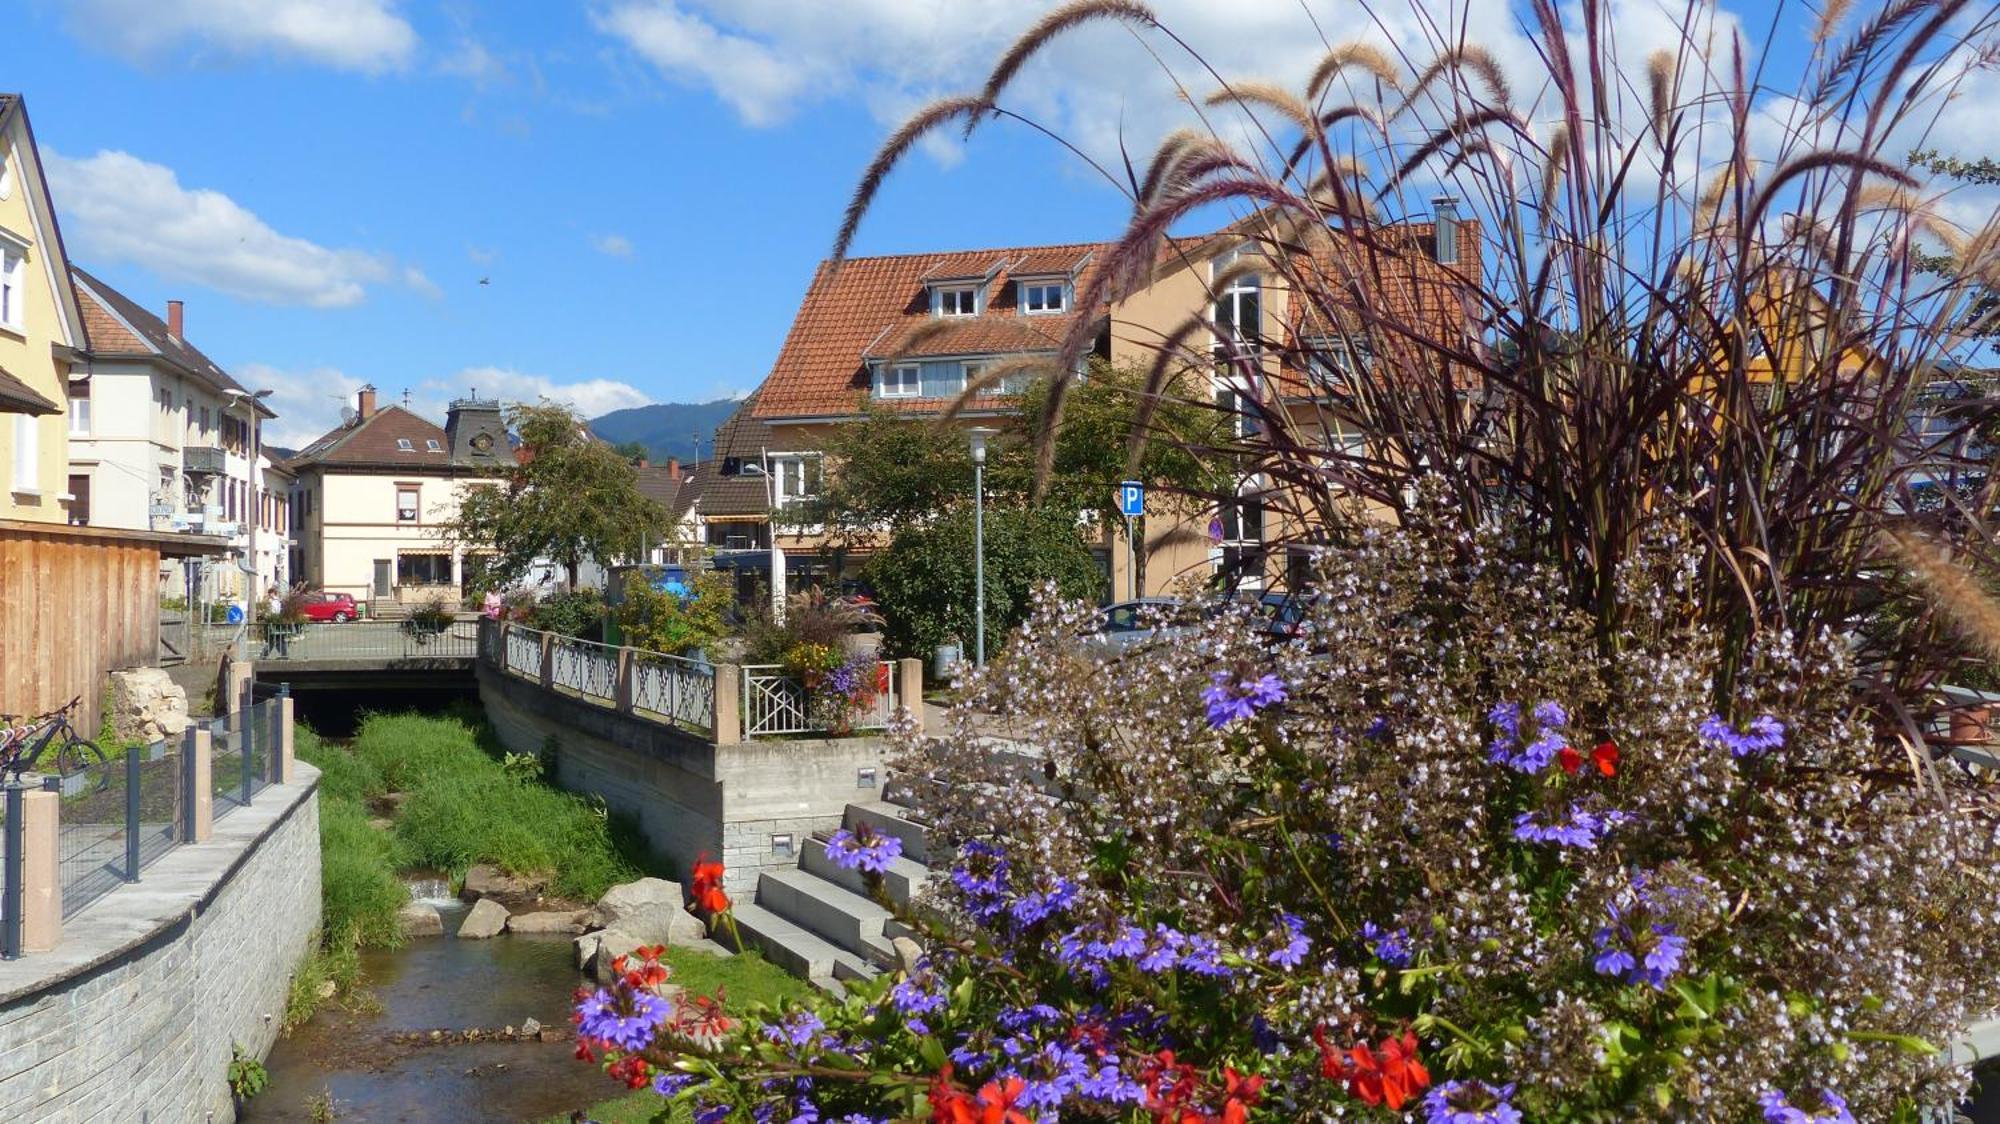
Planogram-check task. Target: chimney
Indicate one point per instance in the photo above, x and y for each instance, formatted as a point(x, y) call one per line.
point(674, 469)
point(174, 319)
point(1445, 210)
point(364, 403)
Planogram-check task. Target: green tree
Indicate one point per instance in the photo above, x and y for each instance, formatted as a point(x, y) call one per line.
point(656, 620)
point(568, 497)
point(925, 580)
point(1981, 317)
point(633, 451)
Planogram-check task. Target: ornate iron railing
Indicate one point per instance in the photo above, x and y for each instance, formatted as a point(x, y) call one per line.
point(588, 668)
point(676, 689)
point(776, 701)
point(524, 652)
point(673, 690)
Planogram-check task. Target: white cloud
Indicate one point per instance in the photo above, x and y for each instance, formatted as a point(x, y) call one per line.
point(307, 402)
point(590, 397)
point(482, 255)
point(364, 35)
point(612, 245)
point(474, 63)
point(421, 282)
point(117, 206)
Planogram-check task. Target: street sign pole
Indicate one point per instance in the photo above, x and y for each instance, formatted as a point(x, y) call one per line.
point(1131, 497)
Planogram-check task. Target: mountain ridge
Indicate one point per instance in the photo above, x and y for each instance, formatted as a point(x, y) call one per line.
point(668, 430)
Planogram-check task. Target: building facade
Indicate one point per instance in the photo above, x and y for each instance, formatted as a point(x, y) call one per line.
point(163, 439)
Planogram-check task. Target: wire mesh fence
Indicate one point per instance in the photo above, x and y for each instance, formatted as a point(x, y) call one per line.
point(240, 761)
point(90, 832)
point(158, 823)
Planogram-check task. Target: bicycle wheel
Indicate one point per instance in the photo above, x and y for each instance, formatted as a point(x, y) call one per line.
point(78, 754)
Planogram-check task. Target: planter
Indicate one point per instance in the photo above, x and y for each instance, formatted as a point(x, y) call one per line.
point(1972, 725)
point(423, 632)
point(278, 635)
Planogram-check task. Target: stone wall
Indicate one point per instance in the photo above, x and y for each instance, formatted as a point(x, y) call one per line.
point(132, 1017)
point(688, 796)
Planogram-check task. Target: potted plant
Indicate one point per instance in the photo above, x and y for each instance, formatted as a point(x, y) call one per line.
point(428, 620)
point(284, 619)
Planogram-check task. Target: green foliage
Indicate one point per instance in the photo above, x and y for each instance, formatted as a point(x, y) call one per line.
point(338, 963)
point(744, 982)
point(811, 617)
point(247, 1075)
point(1981, 315)
point(656, 620)
point(523, 767)
point(431, 617)
point(634, 451)
point(570, 497)
point(925, 578)
point(360, 890)
point(570, 612)
point(462, 807)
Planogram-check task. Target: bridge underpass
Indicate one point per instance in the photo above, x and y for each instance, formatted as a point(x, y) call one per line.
point(337, 672)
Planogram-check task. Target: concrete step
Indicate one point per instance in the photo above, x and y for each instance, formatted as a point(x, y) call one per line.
point(904, 879)
point(785, 944)
point(841, 916)
point(845, 970)
point(830, 985)
point(890, 819)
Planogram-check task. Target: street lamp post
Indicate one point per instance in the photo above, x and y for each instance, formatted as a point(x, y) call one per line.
point(979, 434)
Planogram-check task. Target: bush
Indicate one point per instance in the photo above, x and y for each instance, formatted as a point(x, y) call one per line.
point(924, 579)
point(657, 620)
point(570, 612)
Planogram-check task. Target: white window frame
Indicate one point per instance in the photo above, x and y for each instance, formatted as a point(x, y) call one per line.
point(1030, 290)
point(405, 445)
point(971, 369)
point(433, 445)
point(1250, 492)
point(893, 385)
point(27, 456)
point(13, 284)
point(415, 512)
point(79, 412)
point(960, 294)
point(788, 477)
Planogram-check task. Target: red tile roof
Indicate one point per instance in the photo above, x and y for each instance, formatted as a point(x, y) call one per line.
point(372, 442)
point(853, 312)
point(117, 325)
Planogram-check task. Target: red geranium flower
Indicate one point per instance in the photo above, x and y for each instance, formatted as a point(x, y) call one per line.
point(1605, 757)
point(994, 1105)
point(1569, 759)
point(1240, 1093)
point(708, 894)
point(1388, 1074)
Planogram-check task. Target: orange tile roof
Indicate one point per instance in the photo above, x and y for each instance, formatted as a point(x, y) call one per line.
point(850, 312)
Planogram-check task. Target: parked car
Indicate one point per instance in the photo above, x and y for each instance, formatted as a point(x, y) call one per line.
point(1283, 614)
point(336, 607)
point(1127, 624)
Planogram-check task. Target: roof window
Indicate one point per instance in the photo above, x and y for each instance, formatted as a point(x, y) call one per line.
point(403, 445)
point(431, 445)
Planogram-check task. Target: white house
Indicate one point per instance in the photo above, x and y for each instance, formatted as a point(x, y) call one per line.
point(161, 438)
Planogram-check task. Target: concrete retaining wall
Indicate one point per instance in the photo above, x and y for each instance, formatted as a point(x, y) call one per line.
point(689, 797)
point(133, 1016)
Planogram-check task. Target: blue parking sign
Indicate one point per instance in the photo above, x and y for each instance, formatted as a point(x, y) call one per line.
point(1132, 498)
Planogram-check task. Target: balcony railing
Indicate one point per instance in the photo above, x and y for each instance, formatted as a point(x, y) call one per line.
point(364, 640)
point(202, 460)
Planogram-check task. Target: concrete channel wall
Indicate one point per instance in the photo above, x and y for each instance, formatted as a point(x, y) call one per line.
point(688, 796)
point(133, 1016)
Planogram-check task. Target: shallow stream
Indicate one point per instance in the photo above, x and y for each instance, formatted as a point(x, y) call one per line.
point(446, 984)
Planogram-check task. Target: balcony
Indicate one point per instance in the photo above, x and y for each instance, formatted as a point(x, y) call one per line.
point(202, 460)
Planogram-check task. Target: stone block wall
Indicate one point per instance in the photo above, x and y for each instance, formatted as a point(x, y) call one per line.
point(132, 1017)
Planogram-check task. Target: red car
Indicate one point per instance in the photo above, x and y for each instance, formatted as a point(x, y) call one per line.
point(336, 607)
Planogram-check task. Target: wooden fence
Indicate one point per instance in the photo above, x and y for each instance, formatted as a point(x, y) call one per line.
point(76, 603)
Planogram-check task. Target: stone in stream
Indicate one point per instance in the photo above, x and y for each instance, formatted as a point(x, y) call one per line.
point(486, 919)
point(586, 950)
point(418, 919)
point(517, 892)
point(649, 909)
point(563, 921)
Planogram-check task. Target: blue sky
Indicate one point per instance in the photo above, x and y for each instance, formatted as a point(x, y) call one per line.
point(646, 184)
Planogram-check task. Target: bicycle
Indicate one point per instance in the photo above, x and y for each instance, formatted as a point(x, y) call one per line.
point(24, 744)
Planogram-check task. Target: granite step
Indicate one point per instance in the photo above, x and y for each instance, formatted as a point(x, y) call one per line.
point(851, 922)
point(904, 879)
point(787, 945)
point(890, 819)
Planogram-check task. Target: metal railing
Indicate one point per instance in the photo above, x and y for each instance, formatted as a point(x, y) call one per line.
point(117, 818)
point(673, 690)
point(241, 763)
point(588, 668)
point(364, 640)
point(776, 701)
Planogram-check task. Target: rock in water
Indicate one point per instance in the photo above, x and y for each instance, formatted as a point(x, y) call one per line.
point(486, 919)
point(518, 893)
point(649, 909)
point(530, 1029)
point(419, 920)
point(559, 921)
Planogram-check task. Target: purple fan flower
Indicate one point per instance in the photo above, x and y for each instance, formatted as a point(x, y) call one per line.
point(798, 1029)
point(1391, 946)
point(1297, 944)
point(1508, 749)
point(670, 1084)
point(1648, 953)
point(1582, 829)
point(912, 998)
point(1230, 699)
point(1204, 958)
point(1165, 953)
point(1764, 734)
point(1777, 1110)
point(1470, 1102)
point(600, 1018)
point(850, 851)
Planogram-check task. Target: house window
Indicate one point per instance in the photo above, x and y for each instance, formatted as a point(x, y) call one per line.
point(796, 477)
point(1038, 297)
point(27, 454)
point(1238, 315)
point(905, 380)
point(79, 409)
point(403, 445)
point(1241, 535)
point(79, 503)
point(431, 445)
point(1244, 414)
point(202, 430)
point(1330, 360)
point(406, 503)
point(969, 373)
point(13, 287)
point(423, 569)
point(958, 300)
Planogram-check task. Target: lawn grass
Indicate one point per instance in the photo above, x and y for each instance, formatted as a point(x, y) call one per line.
point(743, 980)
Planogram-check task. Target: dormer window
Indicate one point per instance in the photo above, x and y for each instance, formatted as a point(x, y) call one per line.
point(1042, 297)
point(903, 380)
point(956, 300)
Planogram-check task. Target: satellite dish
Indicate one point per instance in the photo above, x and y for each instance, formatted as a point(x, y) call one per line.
point(347, 415)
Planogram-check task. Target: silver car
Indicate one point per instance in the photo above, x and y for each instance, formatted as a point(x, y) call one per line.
point(1128, 624)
